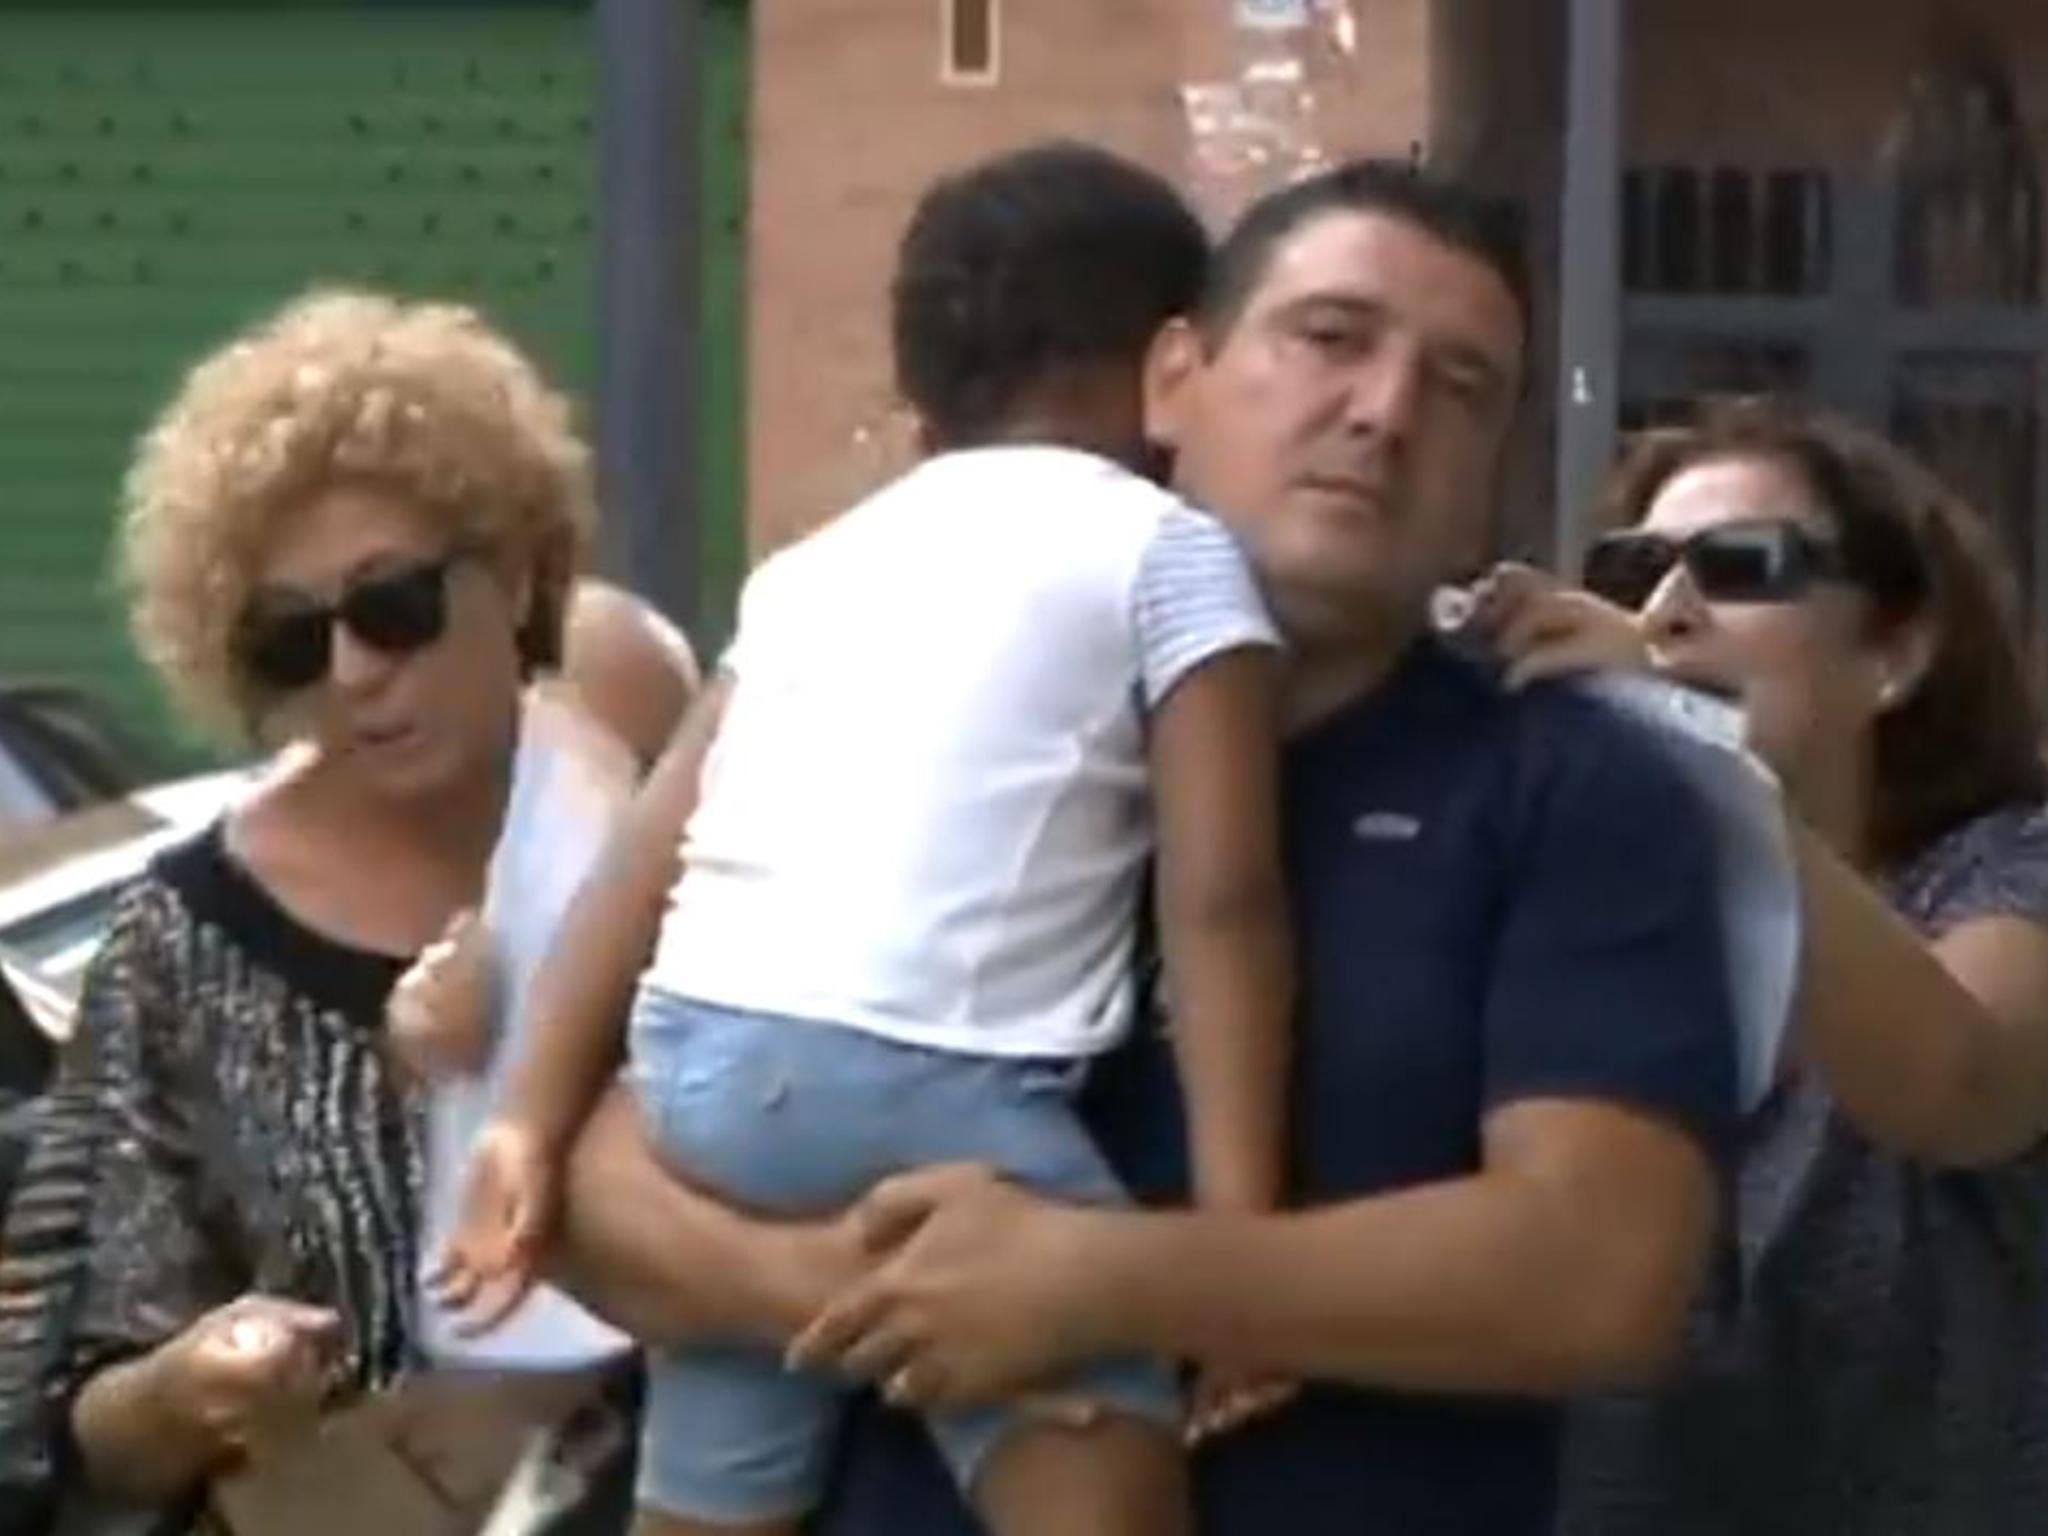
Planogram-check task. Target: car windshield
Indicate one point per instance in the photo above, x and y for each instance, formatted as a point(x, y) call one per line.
point(59, 882)
point(58, 943)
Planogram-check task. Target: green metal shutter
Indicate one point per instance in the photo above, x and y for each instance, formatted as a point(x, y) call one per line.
point(727, 86)
point(168, 175)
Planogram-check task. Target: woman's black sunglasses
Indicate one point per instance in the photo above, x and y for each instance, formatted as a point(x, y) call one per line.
point(1762, 562)
point(288, 648)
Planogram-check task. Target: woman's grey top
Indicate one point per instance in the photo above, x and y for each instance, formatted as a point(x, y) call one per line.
point(1870, 1353)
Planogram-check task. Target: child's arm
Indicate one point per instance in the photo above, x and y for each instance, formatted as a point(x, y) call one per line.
point(584, 987)
point(1229, 957)
point(437, 1021)
point(580, 995)
point(1223, 920)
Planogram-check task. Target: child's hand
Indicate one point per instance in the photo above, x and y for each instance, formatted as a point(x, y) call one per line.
point(1227, 1400)
point(507, 1213)
point(437, 1019)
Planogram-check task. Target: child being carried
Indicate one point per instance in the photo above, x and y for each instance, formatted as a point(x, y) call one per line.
point(889, 873)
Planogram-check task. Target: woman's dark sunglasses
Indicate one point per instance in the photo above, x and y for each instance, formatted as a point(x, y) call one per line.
point(1763, 562)
point(289, 648)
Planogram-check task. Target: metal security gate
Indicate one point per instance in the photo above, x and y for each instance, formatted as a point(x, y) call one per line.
point(1793, 281)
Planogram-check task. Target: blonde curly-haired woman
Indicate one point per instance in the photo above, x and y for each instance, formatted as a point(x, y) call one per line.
point(349, 540)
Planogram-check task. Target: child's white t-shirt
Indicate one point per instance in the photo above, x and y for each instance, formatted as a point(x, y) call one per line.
point(927, 811)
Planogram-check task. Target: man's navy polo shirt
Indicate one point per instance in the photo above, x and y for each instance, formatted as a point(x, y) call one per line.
point(1497, 897)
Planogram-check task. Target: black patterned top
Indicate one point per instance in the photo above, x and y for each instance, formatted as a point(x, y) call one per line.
point(222, 1121)
point(1871, 1355)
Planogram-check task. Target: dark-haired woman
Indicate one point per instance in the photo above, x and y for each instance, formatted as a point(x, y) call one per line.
point(1868, 1355)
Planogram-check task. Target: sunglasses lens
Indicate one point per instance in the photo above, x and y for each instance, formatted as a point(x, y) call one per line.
point(287, 652)
point(1743, 565)
point(1625, 568)
point(398, 613)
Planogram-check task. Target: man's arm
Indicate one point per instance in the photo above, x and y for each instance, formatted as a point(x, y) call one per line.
point(1564, 1266)
point(669, 1264)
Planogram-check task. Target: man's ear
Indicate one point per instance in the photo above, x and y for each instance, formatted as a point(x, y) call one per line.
point(1173, 365)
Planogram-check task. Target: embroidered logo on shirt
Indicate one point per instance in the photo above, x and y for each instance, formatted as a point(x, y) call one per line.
point(1387, 827)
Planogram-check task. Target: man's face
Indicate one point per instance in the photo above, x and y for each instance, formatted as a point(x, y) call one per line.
point(1350, 424)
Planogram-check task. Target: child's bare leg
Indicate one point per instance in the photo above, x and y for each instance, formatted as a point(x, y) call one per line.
point(652, 1522)
point(1120, 1476)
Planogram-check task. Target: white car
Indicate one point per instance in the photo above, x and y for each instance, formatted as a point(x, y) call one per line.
point(59, 882)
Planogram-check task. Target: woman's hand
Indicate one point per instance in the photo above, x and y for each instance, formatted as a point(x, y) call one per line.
point(437, 1019)
point(984, 1291)
point(250, 1371)
point(1541, 628)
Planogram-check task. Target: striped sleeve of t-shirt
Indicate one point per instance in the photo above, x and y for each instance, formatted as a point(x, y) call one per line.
point(1194, 599)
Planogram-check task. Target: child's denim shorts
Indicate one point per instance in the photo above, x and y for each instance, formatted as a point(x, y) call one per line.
point(793, 1117)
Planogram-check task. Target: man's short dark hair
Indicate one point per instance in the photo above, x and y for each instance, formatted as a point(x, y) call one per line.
point(1044, 258)
point(1483, 226)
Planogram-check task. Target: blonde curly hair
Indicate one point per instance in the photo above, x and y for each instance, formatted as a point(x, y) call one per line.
point(422, 400)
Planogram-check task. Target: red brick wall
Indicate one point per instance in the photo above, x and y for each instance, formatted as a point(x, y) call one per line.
point(1751, 82)
point(850, 123)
